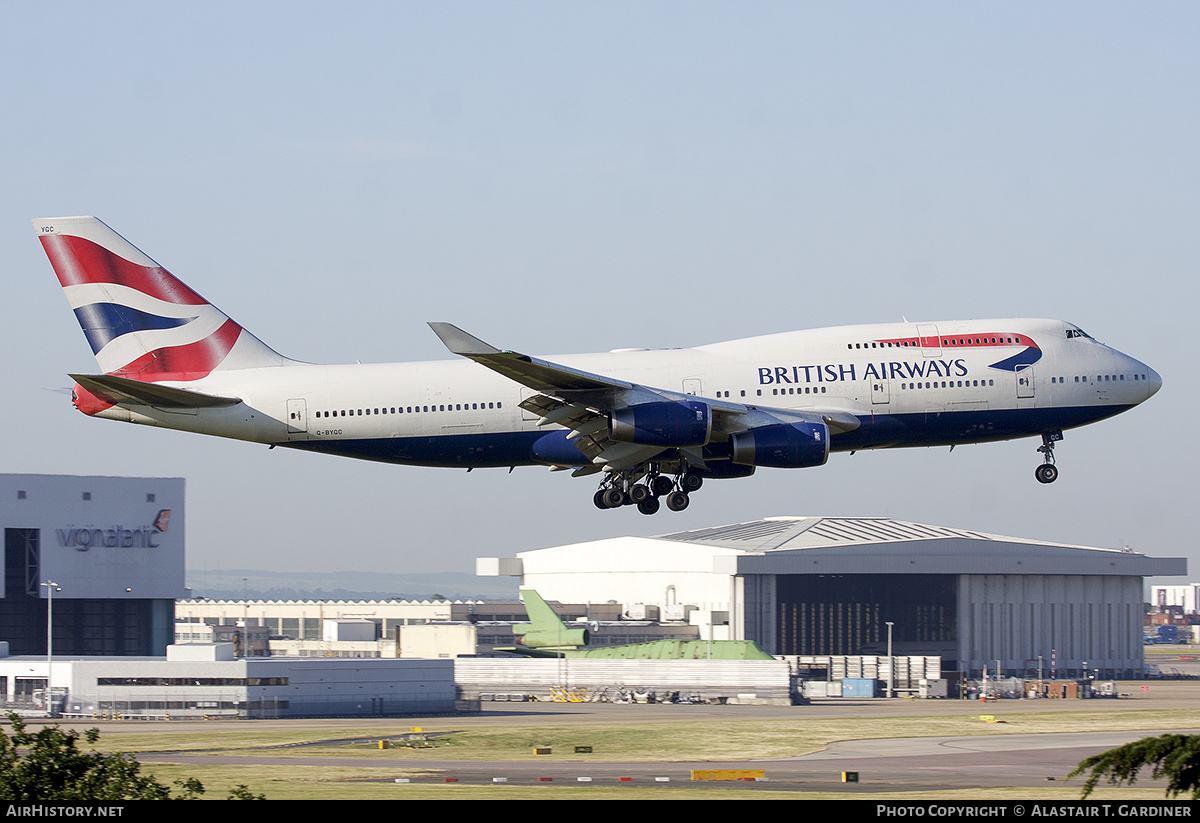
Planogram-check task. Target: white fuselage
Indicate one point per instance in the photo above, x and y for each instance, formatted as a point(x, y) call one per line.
point(909, 384)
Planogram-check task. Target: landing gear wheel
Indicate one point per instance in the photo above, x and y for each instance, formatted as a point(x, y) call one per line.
point(598, 499)
point(614, 498)
point(677, 501)
point(1046, 473)
point(691, 483)
point(648, 506)
point(639, 494)
point(662, 485)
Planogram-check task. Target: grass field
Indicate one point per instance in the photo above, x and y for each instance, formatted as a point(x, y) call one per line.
point(649, 742)
point(699, 740)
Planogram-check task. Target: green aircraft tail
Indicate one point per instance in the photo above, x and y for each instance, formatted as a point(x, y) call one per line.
point(546, 629)
point(548, 636)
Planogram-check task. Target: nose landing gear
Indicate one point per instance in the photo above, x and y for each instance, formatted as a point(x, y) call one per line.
point(1048, 472)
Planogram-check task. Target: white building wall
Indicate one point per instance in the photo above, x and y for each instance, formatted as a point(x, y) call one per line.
point(633, 571)
point(309, 615)
point(313, 609)
point(736, 680)
point(436, 641)
point(1185, 596)
point(313, 687)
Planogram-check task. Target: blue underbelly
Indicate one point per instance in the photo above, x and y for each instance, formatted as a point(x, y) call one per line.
point(881, 431)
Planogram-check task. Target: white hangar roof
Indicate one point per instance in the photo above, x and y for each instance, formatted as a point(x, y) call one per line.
point(833, 545)
point(850, 545)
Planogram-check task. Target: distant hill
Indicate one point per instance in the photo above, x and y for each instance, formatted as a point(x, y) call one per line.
point(257, 584)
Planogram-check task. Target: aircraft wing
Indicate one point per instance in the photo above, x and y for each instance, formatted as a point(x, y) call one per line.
point(122, 390)
point(583, 401)
point(540, 375)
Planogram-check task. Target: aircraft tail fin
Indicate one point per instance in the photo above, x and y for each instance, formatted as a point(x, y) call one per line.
point(142, 323)
point(546, 629)
point(542, 618)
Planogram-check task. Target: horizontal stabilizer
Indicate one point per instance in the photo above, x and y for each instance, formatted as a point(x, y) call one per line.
point(123, 391)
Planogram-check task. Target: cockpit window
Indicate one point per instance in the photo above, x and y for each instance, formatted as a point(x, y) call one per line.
point(1077, 333)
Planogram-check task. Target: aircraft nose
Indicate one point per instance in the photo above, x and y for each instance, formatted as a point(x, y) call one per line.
point(1153, 382)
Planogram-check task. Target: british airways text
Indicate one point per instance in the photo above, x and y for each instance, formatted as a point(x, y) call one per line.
point(834, 372)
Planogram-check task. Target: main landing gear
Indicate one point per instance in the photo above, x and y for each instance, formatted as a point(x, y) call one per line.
point(1048, 472)
point(646, 488)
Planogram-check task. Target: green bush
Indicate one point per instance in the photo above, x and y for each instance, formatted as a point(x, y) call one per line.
point(1173, 756)
point(48, 765)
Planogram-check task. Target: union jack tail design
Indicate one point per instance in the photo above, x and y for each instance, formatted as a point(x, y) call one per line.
point(142, 322)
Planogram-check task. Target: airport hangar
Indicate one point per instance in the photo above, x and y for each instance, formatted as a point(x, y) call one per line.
point(831, 585)
point(114, 547)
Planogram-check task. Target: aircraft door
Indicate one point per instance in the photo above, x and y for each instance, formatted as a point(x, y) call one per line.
point(693, 386)
point(297, 416)
point(1025, 382)
point(931, 341)
point(526, 414)
point(879, 392)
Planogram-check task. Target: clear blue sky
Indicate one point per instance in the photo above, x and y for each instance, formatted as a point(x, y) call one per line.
point(565, 177)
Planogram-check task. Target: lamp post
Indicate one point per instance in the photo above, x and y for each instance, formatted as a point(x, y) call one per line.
point(51, 588)
point(245, 618)
point(891, 662)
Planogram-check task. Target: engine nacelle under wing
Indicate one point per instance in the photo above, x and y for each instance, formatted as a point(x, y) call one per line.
point(782, 446)
point(669, 424)
point(555, 449)
point(721, 469)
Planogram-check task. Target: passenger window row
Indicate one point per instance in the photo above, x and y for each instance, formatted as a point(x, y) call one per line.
point(985, 341)
point(884, 344)
point(807, 390)
point(445, 407)
point(946, 341)
point(948, 384)
point(1100, 378)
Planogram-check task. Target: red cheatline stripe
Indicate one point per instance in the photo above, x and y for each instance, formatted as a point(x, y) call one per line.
point(988, 339)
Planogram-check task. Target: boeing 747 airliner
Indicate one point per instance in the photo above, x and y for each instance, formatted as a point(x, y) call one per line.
point(652, 424)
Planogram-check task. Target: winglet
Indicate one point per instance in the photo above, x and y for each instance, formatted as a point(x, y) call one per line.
point(459, 342)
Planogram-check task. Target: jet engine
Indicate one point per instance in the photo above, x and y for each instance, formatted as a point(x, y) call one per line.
point(782, 445)
point(669, 424)
point(554, 449)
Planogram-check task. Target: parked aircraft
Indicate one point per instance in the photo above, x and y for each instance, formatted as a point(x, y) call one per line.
point(547, 636)
point(653, 424)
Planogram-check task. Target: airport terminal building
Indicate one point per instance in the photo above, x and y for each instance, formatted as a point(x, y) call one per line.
point(828, 586)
